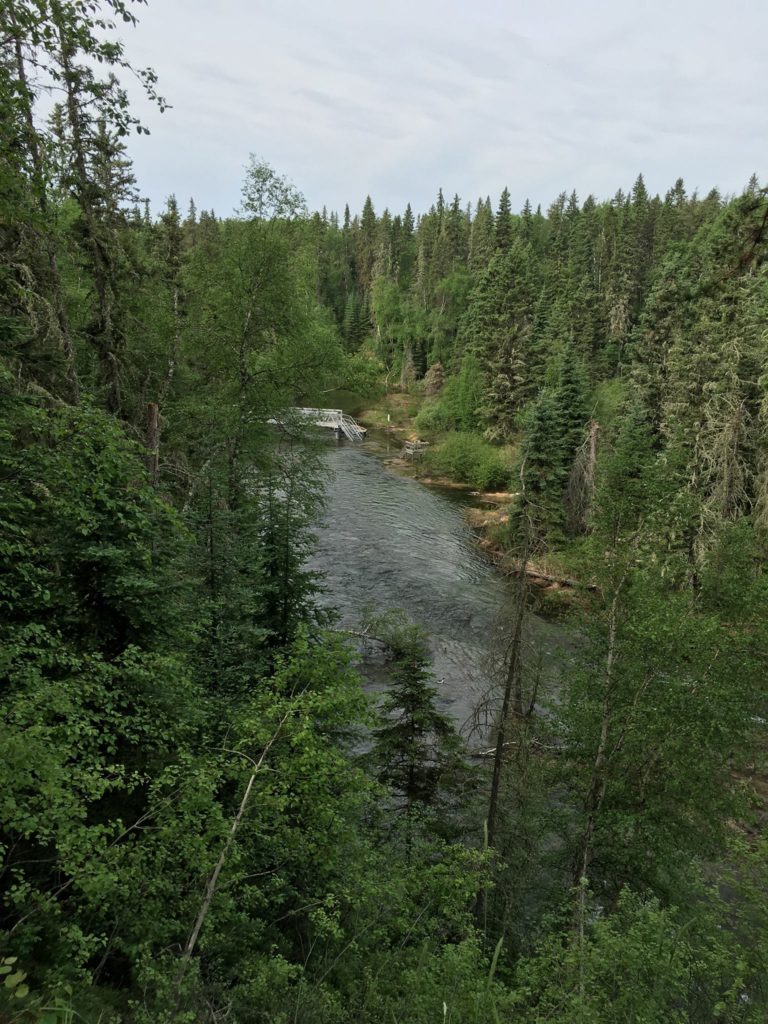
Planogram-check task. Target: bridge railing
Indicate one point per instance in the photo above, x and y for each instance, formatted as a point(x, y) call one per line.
point(333, 416)
point(351, 428)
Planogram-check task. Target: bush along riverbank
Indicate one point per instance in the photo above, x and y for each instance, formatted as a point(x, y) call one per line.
point(453, 456)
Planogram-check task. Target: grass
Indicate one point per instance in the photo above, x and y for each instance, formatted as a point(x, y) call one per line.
point(395, 409)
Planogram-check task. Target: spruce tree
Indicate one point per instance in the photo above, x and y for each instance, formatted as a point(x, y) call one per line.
point(497, 328)
point(482, 237)
point(504, 228)
point(366, 245)
point(556, 430)
point(416, 750)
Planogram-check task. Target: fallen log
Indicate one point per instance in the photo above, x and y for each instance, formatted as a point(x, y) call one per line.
point(537, 576)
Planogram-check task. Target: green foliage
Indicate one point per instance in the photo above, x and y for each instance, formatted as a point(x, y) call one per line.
point(97, 698)
point(355, 325)
point(13, 980)
point(557, 426)
point(454, 982)
point(471, 460)
point(361, 374)
point(609, 398)
point(733, 583)
point(497, 329)
point(628, 484)
point(671, 725)
point(457, 407)
point(643, 963)
point(415, 750)
point(182, 737)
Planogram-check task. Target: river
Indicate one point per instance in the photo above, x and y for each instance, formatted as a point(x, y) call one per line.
point(390, 542)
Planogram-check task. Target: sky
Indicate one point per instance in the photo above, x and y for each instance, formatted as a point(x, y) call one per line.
point(397, 98)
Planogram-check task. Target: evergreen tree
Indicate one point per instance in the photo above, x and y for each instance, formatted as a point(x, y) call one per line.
point(415, 750)
point(504, 222)
point(557, 428)
point(406, 255)
point(366, 245)
point(497, 328)
point(187, 830)
point(526, 222)
point(482, 237)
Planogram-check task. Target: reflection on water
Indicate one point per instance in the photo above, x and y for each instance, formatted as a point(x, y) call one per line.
point(391, 542)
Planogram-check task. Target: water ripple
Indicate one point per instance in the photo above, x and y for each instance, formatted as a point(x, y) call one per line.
point(389, 541)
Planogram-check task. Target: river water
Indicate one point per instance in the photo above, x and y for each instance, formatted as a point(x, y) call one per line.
point(389, 542)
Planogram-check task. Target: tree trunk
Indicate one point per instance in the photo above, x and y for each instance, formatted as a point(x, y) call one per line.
point(101, 261)
point(210, 889)
point(580, 493)
point(599, 781)
point(512, 702)
point(33, 148)
point(153, 442)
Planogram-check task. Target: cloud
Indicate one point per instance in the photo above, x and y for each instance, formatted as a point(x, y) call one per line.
point(399, 98)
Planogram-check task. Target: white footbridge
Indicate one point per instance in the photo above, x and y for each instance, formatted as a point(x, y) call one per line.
point(330, 419)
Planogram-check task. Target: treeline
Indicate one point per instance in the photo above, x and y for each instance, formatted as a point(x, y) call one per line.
point(543, 328)
point(579, 269)
point(201, 818)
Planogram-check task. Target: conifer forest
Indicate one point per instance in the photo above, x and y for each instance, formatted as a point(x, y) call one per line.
point(205, 815)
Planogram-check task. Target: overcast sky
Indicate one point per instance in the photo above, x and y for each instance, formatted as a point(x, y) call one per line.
point(398, 97)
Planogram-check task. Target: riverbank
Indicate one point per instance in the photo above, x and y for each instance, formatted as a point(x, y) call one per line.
point(486, 510)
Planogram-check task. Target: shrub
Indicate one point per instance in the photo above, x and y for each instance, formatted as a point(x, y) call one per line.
point(456, 408)
point(469, 459)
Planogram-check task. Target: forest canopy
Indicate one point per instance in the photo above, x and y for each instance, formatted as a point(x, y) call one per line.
point(203, 816)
